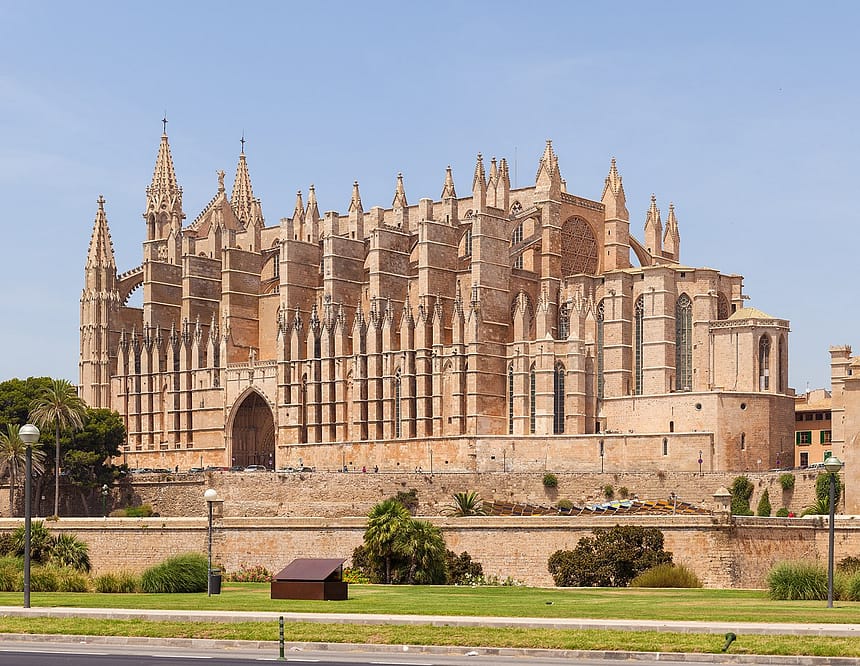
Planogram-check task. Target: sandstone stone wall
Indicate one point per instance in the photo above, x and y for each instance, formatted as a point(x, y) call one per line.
point(724, 553)
point(335, 494)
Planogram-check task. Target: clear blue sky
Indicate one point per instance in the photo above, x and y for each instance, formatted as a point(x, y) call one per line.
point(744, 114)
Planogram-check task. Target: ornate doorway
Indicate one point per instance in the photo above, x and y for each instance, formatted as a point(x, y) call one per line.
point(253, 436)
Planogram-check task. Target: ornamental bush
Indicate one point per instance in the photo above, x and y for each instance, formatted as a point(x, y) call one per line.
point(121, 582)
point(764, 508)
point(786, 480)
point(667, 575)
point(183, 573)
point(611, 558)
point(797, 581)
point(255, 574)
point(741, 490)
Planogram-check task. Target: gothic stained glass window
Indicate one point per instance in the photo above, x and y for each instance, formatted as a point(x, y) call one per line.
point(532, 398)
point(578, 248)
point(563, 321)
point(780, 377)
point(558, 400)
point(684, 343)
point(722, 307)
point(638, 334)
point(764, 363)
point(599, 344)
point(517, 236)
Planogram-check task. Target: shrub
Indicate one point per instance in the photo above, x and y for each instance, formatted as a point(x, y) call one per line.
point(142, 511)
point(41, 541)
point(764, 508)
point(741, 490)
point(462, 570)
point(797, 581)
point(786, 480)
point(849, 565)
point(44, 579)
point(370, 567)
point(255, 574)
point(355, 576)
point(550, 480)
point(70, 579)
point(782, 512)
point(69, 551)
point(623, 492)
point(667, 575)
point(183, 573)
point(821, 507)
point(608, 491)
point(11, 574)
point(565, 504)
point(7, 544)
point(466, 504)
point(408, 499)
point(613, 557)
point(122, 582)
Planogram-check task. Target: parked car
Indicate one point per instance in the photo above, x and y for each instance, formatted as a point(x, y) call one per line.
point(256, 468)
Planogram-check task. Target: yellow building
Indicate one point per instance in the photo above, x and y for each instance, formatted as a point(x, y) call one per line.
point(813, 429)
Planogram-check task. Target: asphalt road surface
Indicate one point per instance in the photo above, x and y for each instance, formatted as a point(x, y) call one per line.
point(33, 653)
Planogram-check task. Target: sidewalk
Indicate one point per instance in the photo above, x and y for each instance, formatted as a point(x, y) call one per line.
point(739, 628)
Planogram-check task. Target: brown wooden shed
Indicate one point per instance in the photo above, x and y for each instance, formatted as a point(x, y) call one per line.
point(311, 578)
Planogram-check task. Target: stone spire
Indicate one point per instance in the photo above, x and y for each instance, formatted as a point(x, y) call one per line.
point(494, 173)
point(672, 237)
point(299, 211)
point(613, 197)
point(503, 187)
point(654, 229)
point(616, 221)
point(312, 217)
point(101, 254)
point(448, 191)
point(355, 202)
point(163, 196)
point(399, 194)
point(242, 198)
point(479, 185)
point(548, 178)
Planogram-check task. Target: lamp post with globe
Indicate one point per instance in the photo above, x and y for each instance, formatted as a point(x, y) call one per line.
point(832, 465)
point(29, 434)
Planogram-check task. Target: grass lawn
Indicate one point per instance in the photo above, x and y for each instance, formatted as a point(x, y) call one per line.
point(601, 603)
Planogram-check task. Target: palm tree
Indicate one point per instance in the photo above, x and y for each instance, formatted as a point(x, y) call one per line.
point(58, 405)
point(384, 522)
point(422, 543)
point(466, 504)
point(13, 459)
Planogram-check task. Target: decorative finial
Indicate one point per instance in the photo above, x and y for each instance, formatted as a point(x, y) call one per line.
point(101, 202)
point(220, 173)
point(242, 141)
point(164, 123)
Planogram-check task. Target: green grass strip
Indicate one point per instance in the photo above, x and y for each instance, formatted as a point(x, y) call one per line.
point(644, 641)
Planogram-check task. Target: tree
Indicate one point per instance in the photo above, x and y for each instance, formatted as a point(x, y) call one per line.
point(60, 407)
point(16, 397)
point(384, 521)
point(741, 490)
point(87, 454)
point(611, 558)
point(764, 508)
point(466, 504)
point(13, 459)
point(421, 543)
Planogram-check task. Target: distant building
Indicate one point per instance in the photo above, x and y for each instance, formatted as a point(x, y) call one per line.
point(813, 429)
point(511, 328)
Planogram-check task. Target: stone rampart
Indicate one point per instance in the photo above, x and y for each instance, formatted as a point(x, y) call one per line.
point(724, 553)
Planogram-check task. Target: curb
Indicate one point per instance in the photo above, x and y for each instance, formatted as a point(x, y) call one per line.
point(294, 647)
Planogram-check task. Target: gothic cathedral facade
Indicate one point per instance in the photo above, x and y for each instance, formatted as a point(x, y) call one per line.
point(510, 329)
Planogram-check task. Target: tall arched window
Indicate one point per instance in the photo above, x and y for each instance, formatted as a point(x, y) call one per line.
point(398, 425)
point(276, 265)
point(467, 243)
point(511, 399)
point(722, 306)
point(317, 346)
point(764, 363)
point(599, 344)
point(532, 398)
point(517, 236)
point(558, 400)
point(639, 318)
point(780, 373)
point(684, 344)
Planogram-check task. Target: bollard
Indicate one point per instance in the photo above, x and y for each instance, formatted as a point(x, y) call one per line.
point(730, 638)
point(281, 638)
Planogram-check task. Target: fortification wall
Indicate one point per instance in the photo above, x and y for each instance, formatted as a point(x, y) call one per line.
point(724, 553)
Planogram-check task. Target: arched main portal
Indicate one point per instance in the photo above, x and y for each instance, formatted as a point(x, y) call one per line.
point(253, 436)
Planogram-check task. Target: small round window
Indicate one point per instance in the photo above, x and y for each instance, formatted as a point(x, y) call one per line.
point(699, 406)
point(743, 405)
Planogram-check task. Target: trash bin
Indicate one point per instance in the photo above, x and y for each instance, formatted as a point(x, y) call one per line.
point(214, 581)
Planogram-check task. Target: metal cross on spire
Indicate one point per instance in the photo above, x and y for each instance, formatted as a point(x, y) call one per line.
point(242, 141)
point(164, 122)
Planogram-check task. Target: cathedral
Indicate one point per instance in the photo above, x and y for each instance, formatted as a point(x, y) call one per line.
point(511, 329)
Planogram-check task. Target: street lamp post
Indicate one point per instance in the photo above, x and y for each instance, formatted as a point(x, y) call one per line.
point(105, 491)
point(832, 465)
point(211, 496)
point(29, 434)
